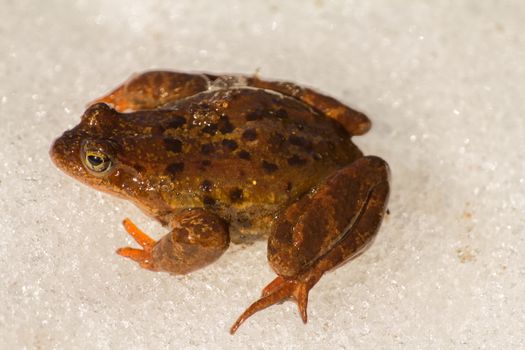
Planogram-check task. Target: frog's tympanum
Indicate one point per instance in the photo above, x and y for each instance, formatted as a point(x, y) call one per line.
point(223, 158)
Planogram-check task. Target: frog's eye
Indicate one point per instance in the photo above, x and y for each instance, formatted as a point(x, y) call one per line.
point(97, 161)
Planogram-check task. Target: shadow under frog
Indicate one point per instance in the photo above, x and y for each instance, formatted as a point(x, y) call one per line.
point(223, 158)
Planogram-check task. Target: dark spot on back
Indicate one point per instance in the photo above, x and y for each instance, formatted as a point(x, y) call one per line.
point(175, 168)
point(207, 148)
point(295, 160)
point(300, 126)
point(289, 187)
point(229, 144)
point(300, 142)
point(208, 201)
point(236, 195)
point(295, 140)
point(206, 185)
point(203, 164)
point(249, 135)
point(139, 168)
point(210, 129)
point(173, 145)
point(158, 129)
point(243, 154)
point(269, 167)
point(225, 126)
point(176, 122)
point(281, 113)
point(254, 115)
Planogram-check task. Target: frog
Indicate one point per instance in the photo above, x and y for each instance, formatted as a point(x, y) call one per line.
point(221, 159)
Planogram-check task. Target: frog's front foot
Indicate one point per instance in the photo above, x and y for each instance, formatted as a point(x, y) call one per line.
point(197, 238)
point(142, 256)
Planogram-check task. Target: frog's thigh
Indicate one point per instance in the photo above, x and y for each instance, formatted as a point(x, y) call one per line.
point(197, 239)
point(154, 89)
point(332, 224)
point(356, 123)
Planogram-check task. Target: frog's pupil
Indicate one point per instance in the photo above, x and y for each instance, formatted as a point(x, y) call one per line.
point(95, 160)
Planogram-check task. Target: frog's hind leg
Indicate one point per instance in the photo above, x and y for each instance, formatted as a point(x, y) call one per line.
point(154, 89)
point(355, 123)
point(323, 229)
point(197, 239)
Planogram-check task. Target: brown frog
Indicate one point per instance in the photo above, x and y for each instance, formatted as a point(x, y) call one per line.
point(220, 158)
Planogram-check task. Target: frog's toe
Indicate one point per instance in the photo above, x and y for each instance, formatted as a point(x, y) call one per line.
point(272, 286)
point(277, 291)
point(142, 256)
point(138, 235)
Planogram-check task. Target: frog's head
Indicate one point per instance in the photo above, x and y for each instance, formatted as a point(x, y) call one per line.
point(111, 152)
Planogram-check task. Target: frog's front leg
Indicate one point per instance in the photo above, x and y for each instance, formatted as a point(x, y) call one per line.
point(197, 239)
point(153, 89)
point(330, 225)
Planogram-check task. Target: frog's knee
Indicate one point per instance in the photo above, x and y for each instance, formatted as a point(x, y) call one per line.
point(295, 244)
point(375, 166)
point(285, 261)
point(355, 122)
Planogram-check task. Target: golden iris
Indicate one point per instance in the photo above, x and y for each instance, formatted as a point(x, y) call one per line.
point(97, 161)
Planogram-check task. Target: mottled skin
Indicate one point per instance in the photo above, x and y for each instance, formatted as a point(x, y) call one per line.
point(220, 158)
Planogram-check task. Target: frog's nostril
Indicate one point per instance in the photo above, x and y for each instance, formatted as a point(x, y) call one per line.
point(61, 150)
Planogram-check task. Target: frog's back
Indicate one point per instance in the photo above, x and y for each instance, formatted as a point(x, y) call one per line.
point(246, 153)
point(253, 151)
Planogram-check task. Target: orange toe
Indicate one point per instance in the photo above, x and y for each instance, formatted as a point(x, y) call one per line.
point(138, 235)
point(141, 256)
point(278, 290)
point(272, 286)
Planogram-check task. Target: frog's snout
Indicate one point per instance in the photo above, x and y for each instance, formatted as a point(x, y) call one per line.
point(56, 151)
point(64, 152)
